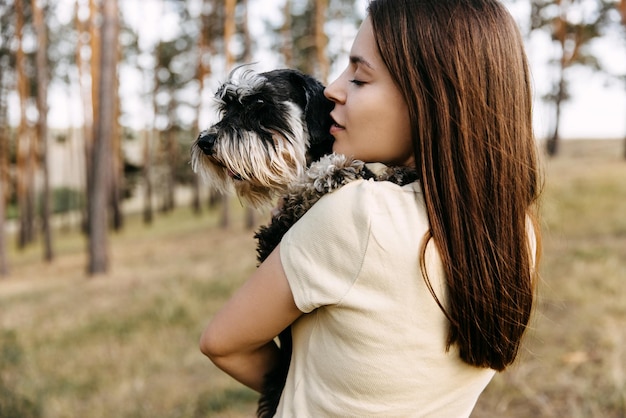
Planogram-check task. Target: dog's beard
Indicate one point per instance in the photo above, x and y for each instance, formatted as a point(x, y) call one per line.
point(258, 170)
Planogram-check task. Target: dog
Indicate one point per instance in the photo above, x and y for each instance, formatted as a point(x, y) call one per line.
point(273, 141)
point(272, 126)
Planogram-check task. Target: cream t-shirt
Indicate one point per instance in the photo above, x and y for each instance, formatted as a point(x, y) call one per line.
point(372, 341)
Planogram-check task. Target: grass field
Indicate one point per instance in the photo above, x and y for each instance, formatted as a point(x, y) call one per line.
point(125, 344)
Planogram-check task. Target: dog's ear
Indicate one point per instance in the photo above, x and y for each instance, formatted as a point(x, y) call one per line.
point(317, 108)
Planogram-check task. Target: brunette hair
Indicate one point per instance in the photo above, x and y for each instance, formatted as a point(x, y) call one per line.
point(463, 71)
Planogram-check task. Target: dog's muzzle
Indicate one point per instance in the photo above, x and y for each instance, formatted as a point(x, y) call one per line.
point(206, 142)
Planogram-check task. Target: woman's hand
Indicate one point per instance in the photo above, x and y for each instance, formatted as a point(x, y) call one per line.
point(239, 338)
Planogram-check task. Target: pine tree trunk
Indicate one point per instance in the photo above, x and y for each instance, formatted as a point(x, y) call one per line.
point(24, 144)
point(321, 40)
point(552, 145)
point(42, 125)
point(250, 220)
point(287, 35)
point(171, 158)
point(4, 178)
point(102, 149)
point(229, 32)
point(4, 172)
point(622, 10)
point(151, 137)
point(92, 101)
point(117, 166)
point(4, 266)
point(202, 71)
point(83, 29)
point(148, 212)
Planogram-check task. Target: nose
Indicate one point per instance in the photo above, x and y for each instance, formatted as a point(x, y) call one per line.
point(206, 141)
point(334, 92)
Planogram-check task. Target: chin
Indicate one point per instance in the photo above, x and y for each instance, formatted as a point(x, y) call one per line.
point(338, 149)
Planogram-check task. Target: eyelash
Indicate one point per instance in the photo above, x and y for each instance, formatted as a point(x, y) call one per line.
point(357, 82)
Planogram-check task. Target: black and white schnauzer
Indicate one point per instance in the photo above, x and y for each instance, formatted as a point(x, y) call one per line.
point(273, 125)
point(273, 141)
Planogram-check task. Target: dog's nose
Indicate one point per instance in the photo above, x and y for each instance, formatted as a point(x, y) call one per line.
point(206, 142)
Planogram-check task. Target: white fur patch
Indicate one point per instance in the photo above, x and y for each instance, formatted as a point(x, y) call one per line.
point(241, 83)
point(264, 171)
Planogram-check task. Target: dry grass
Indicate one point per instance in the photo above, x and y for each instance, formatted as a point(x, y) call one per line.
point(575, 359)
point(125, 344)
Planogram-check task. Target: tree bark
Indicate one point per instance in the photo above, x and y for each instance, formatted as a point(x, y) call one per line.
point(622, 10)
point(287, 35)
point(560, 31)
point(229, 32)
point(552, 145)
point(93, 26)
point(117, 162)
point(171, 160)
point(321, 40)
point(4, 142)
point(101, 160)
point(4, 266)
point(24, 145)
point(250, 220)
point(148, 212)
point(83, 29)
point(202, 71)
point(42, 125)
point(150, 137)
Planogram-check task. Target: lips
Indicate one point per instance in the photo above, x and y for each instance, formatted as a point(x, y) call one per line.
point(335, 123)
point(336, 126)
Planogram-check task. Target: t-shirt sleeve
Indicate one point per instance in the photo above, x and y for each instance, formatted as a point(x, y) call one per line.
point(323, 252)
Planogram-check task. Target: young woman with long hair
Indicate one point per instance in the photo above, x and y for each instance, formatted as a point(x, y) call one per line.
point(404, 301)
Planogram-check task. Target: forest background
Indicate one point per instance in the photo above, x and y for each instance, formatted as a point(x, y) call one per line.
point(109, 241)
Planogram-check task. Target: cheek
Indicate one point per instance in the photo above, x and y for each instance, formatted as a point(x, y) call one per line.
point(400, 143)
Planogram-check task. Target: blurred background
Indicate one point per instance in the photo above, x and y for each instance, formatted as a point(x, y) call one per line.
point(113, 254)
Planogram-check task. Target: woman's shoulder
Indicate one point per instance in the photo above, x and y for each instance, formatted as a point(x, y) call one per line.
point(345, 211)
point(356, 207)
point(346, 204)
point(361, 191)
point(362, 198)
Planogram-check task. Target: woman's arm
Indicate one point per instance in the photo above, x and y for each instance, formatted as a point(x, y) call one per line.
point(239, 338)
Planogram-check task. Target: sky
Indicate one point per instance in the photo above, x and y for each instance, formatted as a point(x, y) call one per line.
point(597, 110)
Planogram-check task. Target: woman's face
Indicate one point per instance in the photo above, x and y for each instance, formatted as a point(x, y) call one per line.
point(371, 116)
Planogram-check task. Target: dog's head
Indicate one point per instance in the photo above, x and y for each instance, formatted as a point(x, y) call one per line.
point(272, 126)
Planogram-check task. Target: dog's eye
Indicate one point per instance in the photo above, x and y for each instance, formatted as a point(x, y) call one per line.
point(252, 101)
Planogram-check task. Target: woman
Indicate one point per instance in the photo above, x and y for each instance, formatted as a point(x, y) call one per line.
point(404, 301)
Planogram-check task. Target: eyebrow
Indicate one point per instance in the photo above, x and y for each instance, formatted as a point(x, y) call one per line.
point(357, 59)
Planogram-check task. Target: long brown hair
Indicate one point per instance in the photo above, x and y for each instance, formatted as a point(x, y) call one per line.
point(463, 70)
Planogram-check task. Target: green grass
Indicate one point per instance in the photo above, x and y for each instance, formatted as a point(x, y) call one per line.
point(125, 344)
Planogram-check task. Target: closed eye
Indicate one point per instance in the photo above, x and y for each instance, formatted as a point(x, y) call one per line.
point(357, 82)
